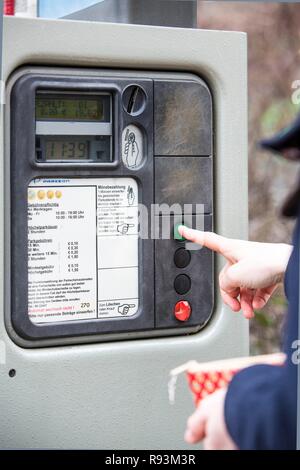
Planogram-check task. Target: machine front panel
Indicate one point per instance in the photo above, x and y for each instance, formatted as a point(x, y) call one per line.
point(99, 164)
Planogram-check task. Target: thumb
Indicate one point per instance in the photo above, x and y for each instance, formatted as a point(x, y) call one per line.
point(238, 275)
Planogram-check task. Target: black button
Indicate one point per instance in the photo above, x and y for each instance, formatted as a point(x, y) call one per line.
point(182, 258)
point(182, 284)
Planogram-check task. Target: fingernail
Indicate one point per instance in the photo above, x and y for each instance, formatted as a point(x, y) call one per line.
point(249, 315)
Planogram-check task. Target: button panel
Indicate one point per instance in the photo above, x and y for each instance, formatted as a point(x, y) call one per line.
point(182, 275)
point(183, 190)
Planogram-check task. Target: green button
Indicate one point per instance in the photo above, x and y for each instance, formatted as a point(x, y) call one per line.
point(177, 235)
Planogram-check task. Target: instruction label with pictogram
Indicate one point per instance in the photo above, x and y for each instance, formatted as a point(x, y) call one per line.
point(82, 249)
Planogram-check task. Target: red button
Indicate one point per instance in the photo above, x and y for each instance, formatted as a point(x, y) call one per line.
point(182, 310)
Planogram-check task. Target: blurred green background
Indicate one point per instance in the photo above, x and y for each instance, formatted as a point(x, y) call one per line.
point(273, 57)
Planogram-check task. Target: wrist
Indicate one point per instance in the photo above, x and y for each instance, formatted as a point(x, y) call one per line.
point(284, 253)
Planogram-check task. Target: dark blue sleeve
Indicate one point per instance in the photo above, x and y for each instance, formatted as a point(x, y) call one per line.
point(261, 402)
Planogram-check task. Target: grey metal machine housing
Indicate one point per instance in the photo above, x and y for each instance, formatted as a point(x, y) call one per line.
point(113, 394)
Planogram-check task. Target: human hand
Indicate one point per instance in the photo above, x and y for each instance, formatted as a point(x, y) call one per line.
point(252, 272)
point(207, 423)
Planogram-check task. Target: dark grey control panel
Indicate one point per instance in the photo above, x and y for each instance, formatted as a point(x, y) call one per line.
point(104, 166)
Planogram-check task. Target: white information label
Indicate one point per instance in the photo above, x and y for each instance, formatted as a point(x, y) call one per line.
point(82, 249)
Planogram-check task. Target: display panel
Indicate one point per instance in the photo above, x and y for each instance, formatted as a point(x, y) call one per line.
point(67, 149)
point(72, 108)
point(95, 149)
point(74, 127)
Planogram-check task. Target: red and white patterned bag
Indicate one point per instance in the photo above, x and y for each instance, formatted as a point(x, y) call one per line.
point(206, 378)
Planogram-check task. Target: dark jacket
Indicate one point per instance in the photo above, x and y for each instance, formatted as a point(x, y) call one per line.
point(261, 403)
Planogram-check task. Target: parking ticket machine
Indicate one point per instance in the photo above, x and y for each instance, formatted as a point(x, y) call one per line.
point(113, 136)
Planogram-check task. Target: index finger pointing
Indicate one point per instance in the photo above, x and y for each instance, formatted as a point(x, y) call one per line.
point(208, 239)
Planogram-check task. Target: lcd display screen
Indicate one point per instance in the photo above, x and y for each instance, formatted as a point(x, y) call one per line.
point(67, 150)
point(74, 148)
